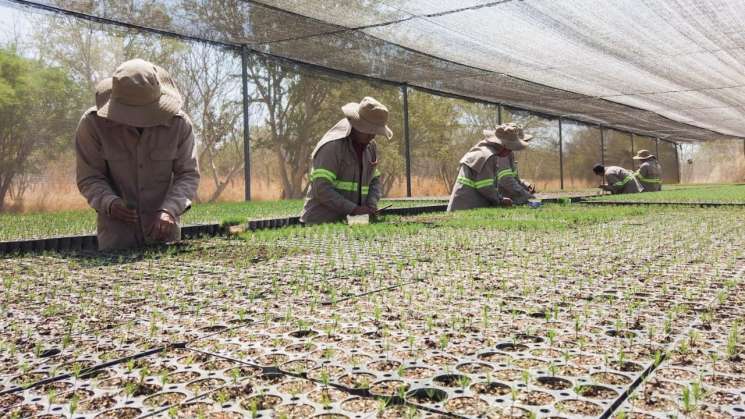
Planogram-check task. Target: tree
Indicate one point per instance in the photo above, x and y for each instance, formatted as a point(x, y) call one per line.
point(35, 115)
point(211, 86)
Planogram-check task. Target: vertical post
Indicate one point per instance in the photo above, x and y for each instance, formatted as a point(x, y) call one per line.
point(407, 139)
point(677, 161)
point(246, 133)
point(561, 156)
point(602, 146)
point(499, 114)
point(657, 148)
point(633, 137)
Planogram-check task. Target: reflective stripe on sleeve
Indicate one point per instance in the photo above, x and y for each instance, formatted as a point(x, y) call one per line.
point(625, 181)
point(506, 172)
point(475, 184)
point(323, 174)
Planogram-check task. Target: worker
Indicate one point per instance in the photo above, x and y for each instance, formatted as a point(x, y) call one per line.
point(650, 171)
point(476, 184)
point(136, 162)
point(619, 180)
point(345, 179)
point(509, 183)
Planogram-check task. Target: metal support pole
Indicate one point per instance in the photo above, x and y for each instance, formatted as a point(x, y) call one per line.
point(246, 133)
point(407, 139)
point(657, 148)
point(677, 161)
point(499, 114)
point(602, 146)
point(561, 156)
point(633, 136)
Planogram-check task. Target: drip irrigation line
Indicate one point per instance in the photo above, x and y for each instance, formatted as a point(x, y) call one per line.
point(364, 393)
point(88, 371)
point(654, 365)
point(375, 291)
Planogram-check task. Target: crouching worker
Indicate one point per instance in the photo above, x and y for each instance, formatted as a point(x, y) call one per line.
point(476, 185)
point(619, 180)
point(650, 171)
point(135, 157)
point(345, 179)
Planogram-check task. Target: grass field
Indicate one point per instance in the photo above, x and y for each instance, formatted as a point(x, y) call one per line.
point(694, 194)
point(46, 224)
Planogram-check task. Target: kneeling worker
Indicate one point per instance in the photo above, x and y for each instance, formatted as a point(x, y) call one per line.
point(476, 185)
point(650, 171)
point(136, 159)
point(619, 179)
point(345, 179)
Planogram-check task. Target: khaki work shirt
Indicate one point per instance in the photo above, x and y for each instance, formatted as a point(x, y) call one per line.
point(509, 182)
point(476, 185)
point(650, 175)
point(621, 180)
point(337, 184)
point(154, 171)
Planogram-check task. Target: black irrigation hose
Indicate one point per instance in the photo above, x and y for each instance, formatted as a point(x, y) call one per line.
point(89, 371)
point(652, 367)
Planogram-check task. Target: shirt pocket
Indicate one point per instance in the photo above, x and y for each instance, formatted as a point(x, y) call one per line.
point(115, 151)
point(161, 164)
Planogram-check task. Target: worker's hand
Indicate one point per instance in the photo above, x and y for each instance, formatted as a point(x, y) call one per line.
point(362, 210)
point(531, 188)
point(119, 211)
point(163, 226)
point(505, 202)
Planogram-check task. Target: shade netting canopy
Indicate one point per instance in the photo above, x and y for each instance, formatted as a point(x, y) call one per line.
point(673, 69)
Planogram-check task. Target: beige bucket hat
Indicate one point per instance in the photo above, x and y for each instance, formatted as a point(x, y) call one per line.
point(368, 116)
point(643, 155)
point(142, 94)
point(509, 136)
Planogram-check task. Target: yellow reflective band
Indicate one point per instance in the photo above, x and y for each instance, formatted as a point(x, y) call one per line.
point(323, 174)
point(625, 181)
point(506, 172)
point(345, 186)
point(475, 184)
point(647, 180)
point(484, 183)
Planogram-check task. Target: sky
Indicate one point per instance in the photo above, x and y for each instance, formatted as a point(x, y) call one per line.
point(12, 21)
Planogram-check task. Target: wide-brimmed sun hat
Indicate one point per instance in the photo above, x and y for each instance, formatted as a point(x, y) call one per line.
point(643, 155)
point(141, 95)
point(369, 116)
point(509, 136)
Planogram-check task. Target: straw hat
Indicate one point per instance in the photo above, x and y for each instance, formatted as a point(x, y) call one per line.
point(103, 92)
point(509, 136)
point(643, 155)
point(142, 95)
point(368, 116)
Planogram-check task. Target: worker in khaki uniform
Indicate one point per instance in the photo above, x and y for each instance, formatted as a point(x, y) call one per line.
point(649, 174)
point(509, 183)
point(136, 159)
point(345, 179)
point(619, 180)
point(476, 184)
